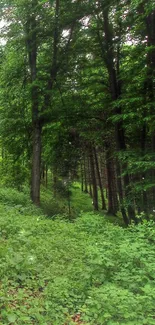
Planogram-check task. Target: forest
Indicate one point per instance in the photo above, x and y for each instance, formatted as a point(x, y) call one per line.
point(77, 162)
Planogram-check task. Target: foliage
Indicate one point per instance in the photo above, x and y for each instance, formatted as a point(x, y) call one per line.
point(82, 78)
point(53, 270)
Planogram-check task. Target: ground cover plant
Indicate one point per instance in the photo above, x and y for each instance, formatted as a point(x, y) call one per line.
point(56, 272)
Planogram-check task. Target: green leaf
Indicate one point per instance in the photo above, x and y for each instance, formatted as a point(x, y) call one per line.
point(12, 318)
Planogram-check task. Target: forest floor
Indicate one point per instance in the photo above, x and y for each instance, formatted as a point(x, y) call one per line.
point(71, 206)
point(56, 271)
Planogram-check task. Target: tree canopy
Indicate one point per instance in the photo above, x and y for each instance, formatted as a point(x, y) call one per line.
point(77, 82)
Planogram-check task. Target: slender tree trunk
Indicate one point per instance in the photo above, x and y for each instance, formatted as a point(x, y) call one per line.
point(89, 178)
point(120, 193)
point(93, 177)
point(114, 186)
point(99, 180)
point(109, 190)
point(112, 194)
point(115, 90)
point(102, 169)
point(36, 163)
point(143, 151)
point(31, 43)
point(81, 168)
point(46, 176)
point(85, 175)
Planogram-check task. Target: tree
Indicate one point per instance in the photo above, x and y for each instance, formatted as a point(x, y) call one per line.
point(72, 84)
point(37, 20)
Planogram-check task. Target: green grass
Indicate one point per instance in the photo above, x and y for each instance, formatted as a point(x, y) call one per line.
point(53, 270)
point(78, 201)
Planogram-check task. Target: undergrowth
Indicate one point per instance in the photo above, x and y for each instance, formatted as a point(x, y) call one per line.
point(69, 205)
point(52, 270)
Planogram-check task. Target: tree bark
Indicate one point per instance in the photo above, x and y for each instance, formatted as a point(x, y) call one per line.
point(110, 201)
point(81, 169)
point(93, 177)
point(46, 176)
point(31, 43)
point(89, 178)
point(36, 163)
point(120, 193)
point(85, 175)
point(115, 90)
point(99, 180)
point(112, 192)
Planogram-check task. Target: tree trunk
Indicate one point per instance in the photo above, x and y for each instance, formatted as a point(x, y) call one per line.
point(109, 190)
point(112, 193)
point(115, 90)
point(81, 168)
point(46, 176)
point(85, 175)
point(36, 163)
point(120, 193)
point(89, 178)
point(93, 178)
point(99, 180)
point(143, 152)
point(31, 42)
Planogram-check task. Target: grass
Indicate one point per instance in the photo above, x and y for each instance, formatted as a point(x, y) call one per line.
point(78, 202)
point(70, 207)
point(56, 272)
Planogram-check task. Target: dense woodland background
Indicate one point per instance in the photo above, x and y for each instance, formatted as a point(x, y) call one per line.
point(77, 162)
point(77, 82)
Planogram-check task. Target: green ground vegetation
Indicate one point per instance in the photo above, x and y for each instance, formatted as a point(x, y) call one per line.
point(58, 272)
point(69, 198)
point(70, 202)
